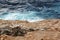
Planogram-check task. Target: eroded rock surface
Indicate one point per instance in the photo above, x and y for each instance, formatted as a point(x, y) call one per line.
point(40, 30)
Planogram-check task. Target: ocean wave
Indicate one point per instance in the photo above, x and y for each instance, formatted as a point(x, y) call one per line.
point(30, 11)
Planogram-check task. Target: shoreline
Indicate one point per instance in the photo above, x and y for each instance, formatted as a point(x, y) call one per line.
point(26, 20)
point(49, 28)
point(30, 20)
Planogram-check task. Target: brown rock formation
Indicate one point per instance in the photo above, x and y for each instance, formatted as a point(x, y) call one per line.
point(41, 30)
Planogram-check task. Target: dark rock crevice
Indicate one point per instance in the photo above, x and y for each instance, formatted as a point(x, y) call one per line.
point(16, 31)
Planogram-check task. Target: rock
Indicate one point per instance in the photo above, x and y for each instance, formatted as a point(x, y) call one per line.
point(17, 31)
point(48, 30)
point(6, 30)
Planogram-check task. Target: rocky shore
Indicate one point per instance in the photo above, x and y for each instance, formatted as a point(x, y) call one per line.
point(24, 30)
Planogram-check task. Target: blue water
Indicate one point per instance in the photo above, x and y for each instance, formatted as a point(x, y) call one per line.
point(35, 13)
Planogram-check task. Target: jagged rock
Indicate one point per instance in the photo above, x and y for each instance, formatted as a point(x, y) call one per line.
point(48, 30)
point(6, 30)
point(17, 31)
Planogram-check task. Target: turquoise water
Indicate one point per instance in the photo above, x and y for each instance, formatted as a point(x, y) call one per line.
point(34, 13)
point(29, 16)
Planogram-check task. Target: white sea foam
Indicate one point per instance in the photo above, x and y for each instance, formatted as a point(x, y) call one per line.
point(26, 16)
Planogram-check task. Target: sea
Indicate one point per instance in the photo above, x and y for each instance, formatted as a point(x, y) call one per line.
point(32, 12)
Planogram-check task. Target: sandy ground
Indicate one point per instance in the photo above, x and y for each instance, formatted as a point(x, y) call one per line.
point(48, 29)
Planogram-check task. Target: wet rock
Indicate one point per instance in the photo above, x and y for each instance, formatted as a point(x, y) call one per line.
point(17, 31)
point(31, 29)
point(6, 30)
point(23, 32)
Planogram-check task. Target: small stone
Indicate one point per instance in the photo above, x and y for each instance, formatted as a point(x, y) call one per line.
point(31, 29)
point(42, 29)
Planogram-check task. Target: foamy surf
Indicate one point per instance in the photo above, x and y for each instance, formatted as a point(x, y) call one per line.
point(25, 16)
